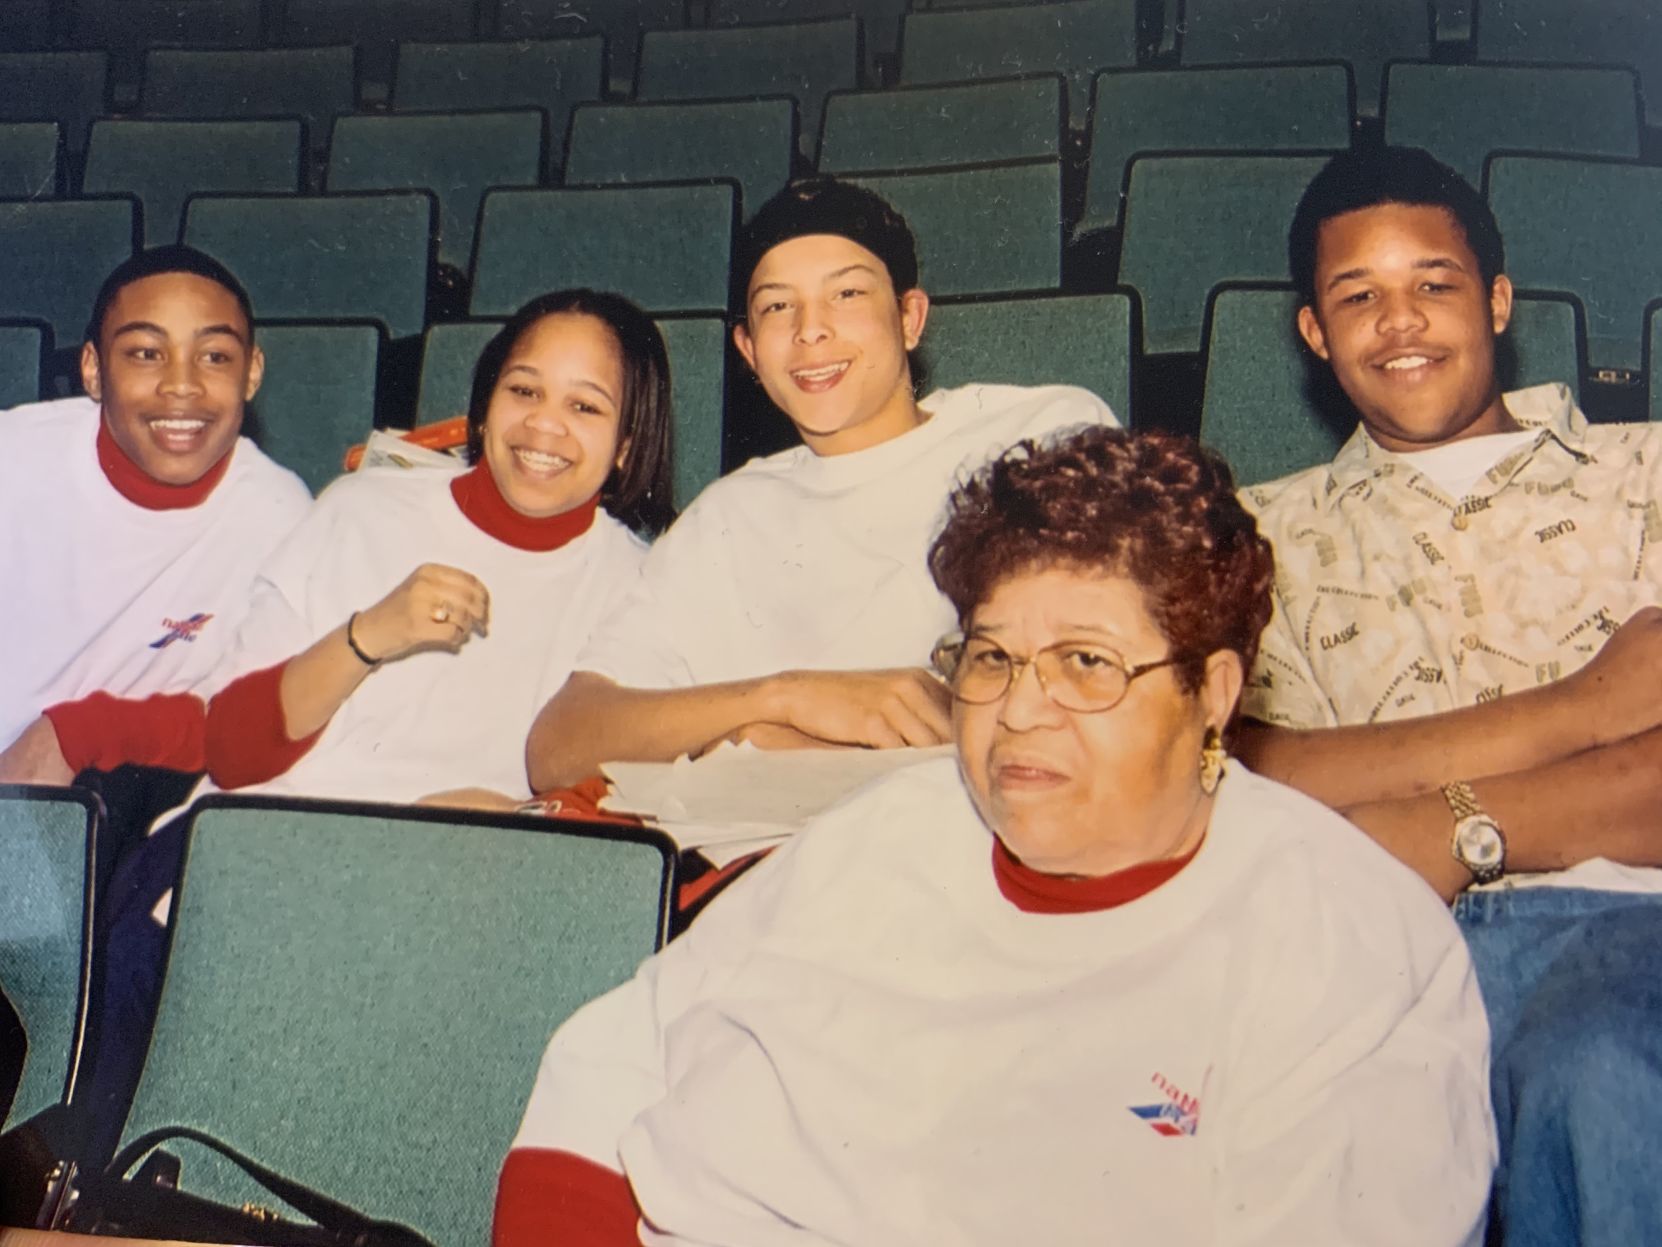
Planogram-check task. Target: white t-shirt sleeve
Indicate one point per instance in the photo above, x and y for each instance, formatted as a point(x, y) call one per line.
point(1068, 407)
point(606, 1064)
point(644, 641)
point(276, 626)
point(603, 1067)
point(1360, 1107)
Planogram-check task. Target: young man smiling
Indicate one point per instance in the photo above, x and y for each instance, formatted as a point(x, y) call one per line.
point(1466, 657)
point(135, 517)
point(791, 605)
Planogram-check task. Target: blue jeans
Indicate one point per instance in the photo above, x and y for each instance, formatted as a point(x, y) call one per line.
point(1572, 981)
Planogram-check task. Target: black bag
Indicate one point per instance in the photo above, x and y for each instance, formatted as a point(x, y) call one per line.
point(150, 1205)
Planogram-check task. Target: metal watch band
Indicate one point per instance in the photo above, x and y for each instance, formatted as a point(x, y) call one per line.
point(1461, 799)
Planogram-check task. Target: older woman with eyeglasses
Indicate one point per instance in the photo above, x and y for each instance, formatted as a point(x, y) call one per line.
point(1093, 983)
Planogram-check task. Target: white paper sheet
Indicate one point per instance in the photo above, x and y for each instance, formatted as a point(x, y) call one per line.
point(737, 798)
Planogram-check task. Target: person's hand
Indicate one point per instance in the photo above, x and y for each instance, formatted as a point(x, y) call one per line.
point(35, 758)
point(877, 709)
point(435, 606)
point(1620, 689)
point(471, 799)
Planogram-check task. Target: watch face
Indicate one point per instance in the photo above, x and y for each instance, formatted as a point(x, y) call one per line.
point(1478, 843)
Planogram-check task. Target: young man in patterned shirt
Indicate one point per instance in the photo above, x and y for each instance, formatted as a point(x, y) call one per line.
point(1466, 658)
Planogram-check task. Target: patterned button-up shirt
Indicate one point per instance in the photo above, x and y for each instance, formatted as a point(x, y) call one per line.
point(1394, 600)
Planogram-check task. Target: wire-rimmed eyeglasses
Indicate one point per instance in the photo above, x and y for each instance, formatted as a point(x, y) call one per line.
point(1076, 675)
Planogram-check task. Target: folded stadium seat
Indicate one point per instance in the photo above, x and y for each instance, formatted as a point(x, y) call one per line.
point(1074, 38)
point(879, 22)
point(56, 255)
point(30, 164)
point(1451, 20)
point(1218, 32)
point(337, 257)
point(550, 74)
point(697, 348)
point(1653, 360)
point(357, 996)
point(125, 28)
point(1271, 408)
point(928, 127)
point(70, 88)
point(1591, 32)
point(665, 247)
point(1192, 222)
point(1546, 341)
point(622, 22)
point(802, 59)
point(1590, 228)
point(48, 840)
point(982, 229)
point(318, 396)
point(1080, 340)
point(314, 84)
point(449, 350)
point(375, 26)
point(1461, 113)
point(1266, 409)
point(32, 25)
point(23, 346)
point(163, 163)
point(457, 156)
point(1284, 108)
point(752, 141)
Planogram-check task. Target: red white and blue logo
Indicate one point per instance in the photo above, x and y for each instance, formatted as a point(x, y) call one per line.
point(181, 629)
point(1176, 1116)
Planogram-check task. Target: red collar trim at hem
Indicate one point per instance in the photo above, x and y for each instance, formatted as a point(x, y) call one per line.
point(1035, 892)
point(143, 490)
point(482, 503)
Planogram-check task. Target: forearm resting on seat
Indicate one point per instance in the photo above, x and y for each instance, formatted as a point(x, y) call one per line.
point(592, 720)
point(1602, 802)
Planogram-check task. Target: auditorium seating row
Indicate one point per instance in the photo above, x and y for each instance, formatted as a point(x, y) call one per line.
point(556, 131)
point(924, 41)
point(413, 962)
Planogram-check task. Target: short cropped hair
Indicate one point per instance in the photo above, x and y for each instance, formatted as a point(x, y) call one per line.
point(174, 258)
point(639, 493)
point(1155, 508)
point(1365, 178)
point(825, 205)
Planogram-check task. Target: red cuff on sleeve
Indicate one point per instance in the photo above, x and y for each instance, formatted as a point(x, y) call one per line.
point(247, 740)
point(545, 1196)
point(101, 732)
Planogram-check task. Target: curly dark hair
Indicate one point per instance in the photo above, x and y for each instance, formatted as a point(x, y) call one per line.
point(1153, 507)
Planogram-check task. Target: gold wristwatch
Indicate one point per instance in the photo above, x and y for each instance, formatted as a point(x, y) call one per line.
point(1478, 843)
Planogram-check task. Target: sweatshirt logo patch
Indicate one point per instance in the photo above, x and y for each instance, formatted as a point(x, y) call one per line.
point(1176, 1116)
point(181, 629)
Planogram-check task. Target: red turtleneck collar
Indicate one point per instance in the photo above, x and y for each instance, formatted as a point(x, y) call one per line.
point(482, 502)
point(142, 490)
point(1034, 892)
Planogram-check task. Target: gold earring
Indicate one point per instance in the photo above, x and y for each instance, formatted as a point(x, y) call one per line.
point(1212, 757)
